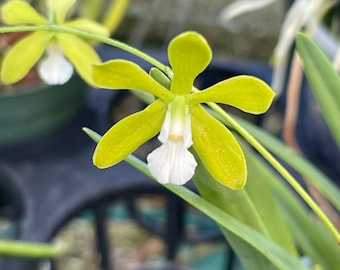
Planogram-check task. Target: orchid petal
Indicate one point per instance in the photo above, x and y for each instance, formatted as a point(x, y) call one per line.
point(246, 93)
point(88, 26)
point(189, 54)
point(172, 163)
point(55, 69)
point(128, 134)
point(60, 7)
point(122, 74)
point(23, 55)
point(20, 12)
point(218, 149)
point(81, 55)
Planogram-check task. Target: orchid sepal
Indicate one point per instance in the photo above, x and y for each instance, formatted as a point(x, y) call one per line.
point(244, 92)
point(87, 25)
point(122, 74)
point(20, 12)
point(128, 134)
point(80, 54)
point(14, 68)
point(194, 51)
point(218, 149)
point(60, 8)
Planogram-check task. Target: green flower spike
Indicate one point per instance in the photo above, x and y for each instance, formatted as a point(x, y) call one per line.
point(54, 69)
point(179, 117)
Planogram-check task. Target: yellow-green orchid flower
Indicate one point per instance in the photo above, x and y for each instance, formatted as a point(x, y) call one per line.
point(54, 68)
point(179, 117)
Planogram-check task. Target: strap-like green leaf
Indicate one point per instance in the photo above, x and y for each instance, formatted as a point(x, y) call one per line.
point(297, 162)
point(273, 252)
point(324, 81)
point(123, 74)
point(60, 7)
point(23, 55)
point(218, 149)
point(88, 26)
point(80, 53)
point(313, 238)
point(246, 93)
point(128, 134)
point(20, 12)
point(238, 230)
point(189, 54)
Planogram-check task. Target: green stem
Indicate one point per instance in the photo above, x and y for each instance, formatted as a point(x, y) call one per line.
point(30, 250)
point(86, 35)
point(277, 165)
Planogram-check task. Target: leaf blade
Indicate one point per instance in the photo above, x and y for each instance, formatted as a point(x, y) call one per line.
point(324, 81)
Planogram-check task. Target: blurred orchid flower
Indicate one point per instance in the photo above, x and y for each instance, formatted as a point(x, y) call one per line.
point(302, 13)
point(240, 7)
point(179, 117)
point(61, 48)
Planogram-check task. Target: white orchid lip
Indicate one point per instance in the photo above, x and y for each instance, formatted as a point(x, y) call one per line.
point(172, 162)
point(54, 68)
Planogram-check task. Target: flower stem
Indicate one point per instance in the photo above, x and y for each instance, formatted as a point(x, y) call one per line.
point(86, 35)
point(279, 168)
point(30, 250)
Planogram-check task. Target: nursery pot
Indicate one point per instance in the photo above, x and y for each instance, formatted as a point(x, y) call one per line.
point(29, 113)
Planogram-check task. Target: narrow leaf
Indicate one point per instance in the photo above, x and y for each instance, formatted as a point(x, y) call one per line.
point(312, 238)
point(274, 253)
point(296, 161)
point(324, 81)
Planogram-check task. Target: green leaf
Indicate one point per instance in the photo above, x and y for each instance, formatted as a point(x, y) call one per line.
point(189, 54)
point(256, 209)
point(310, 235)
point(23, 56)
point(20, 12)
point(122, 74)
point(274, 253)
point(218, 149)
point(80, 53)
point(61, 7)
point(265, 201)
point(128, 134)
point(88, 26)
point(246, 93)
point(241, 232)
point(296, 161)
point(324, 81)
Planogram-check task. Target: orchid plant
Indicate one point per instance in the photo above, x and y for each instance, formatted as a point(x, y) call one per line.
point(236, 188)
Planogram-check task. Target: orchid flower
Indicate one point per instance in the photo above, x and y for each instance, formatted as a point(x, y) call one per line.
point(179, 117)
point(61, 48)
